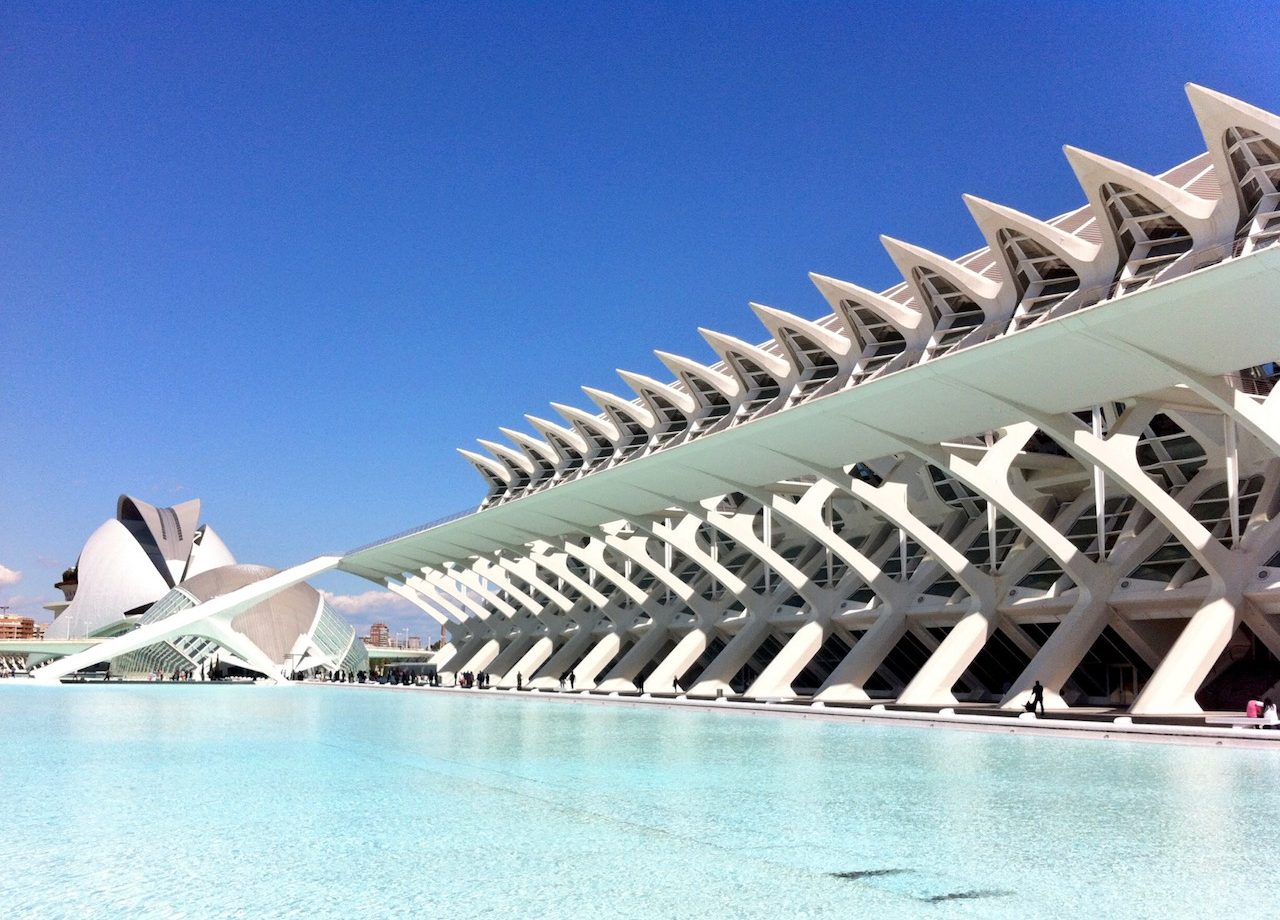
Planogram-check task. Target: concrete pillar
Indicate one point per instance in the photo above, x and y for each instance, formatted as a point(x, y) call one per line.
point(775, 680)
point(679, 660)
point(846, 682)
point(532, 659)
point(715, 679)
point(559, 663)
point(604, 651)
point(620, 677)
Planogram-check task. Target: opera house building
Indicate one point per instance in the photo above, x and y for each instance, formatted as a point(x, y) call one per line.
point(147, 565)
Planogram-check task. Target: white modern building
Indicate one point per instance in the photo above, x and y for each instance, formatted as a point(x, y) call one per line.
point(1056, 458)
point(147, 565)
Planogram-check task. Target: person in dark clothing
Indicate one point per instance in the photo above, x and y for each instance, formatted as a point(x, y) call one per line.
point(519, 681)
point(571, 679)
point(1037, 698)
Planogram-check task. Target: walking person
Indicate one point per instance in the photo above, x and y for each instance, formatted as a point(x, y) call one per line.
point(571, 679)
point(1037, 697)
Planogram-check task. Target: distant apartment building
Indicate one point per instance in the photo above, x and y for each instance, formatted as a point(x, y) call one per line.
point(379, 636)
point(16, 627)
point(413, 642)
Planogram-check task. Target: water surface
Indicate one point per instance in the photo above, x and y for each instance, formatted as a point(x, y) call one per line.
point(238, 801)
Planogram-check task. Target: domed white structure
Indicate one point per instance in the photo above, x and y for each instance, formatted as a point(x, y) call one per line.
point(149, 564)
point(129, 562)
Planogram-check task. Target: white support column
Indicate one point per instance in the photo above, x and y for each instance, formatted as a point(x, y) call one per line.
point(459, 628)
point(775, 680)
point(603, 652)
point(715, 678)
point(990, 477)
point(1172, 687)
point(539, 651)
point(690, 648)
point(845, 681)
point(931, 685)
point(514, 653)
point(621, 676)
point(455, 663)
point(714, 681)
point(633, 549)
point(564, 658)
point(483, 643)
point(678, 661)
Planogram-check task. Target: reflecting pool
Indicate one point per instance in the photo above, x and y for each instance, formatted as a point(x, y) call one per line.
point(238, 801)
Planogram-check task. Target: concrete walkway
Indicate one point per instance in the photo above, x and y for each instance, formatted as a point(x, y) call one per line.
point(1096, 726)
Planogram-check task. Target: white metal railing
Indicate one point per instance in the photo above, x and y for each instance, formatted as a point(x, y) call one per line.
point(422, 528)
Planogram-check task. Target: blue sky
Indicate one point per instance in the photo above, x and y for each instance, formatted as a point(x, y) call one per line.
point(286, 257)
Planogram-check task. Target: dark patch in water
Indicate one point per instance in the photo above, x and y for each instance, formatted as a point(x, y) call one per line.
point(965, 896)
point(866, 873)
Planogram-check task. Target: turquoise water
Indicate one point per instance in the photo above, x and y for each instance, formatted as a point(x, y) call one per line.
point(230, 801)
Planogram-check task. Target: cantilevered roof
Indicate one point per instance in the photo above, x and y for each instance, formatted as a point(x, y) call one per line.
point(1214, 321)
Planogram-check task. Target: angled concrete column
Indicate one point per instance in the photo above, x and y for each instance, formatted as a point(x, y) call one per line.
point(684, 656)
point(846, 682)
point(604, 651)
point(739, 527)
point(889, 501)
point(1172, 687)
point(990, 477)
point(514, 651)
point(464, 651)
point(482, 644)
point(715, 679)
point(454, 624)
point(574, 646)
point(622, 675)
point(691, 647)
point(479, 660)
point(427, 604)
point(538, 652)
point(931, 685)
point(775, 680)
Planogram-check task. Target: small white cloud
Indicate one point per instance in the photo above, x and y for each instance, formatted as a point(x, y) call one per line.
point(9, 577)
point(402, 617)
point(373, 601)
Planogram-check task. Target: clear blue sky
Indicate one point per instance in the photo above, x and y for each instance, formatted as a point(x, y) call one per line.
point(287, 257)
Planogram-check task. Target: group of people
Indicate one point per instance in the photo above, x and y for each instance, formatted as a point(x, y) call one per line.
point(570, 677)
point(179, 674)
point(474, 681)
point(1265, 710)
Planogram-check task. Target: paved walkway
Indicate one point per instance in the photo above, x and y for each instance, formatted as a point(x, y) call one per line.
point(1092, 724)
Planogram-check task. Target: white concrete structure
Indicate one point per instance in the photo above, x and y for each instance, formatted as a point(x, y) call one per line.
point(139, 575)
point(132, 560)
point(1056, 458)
